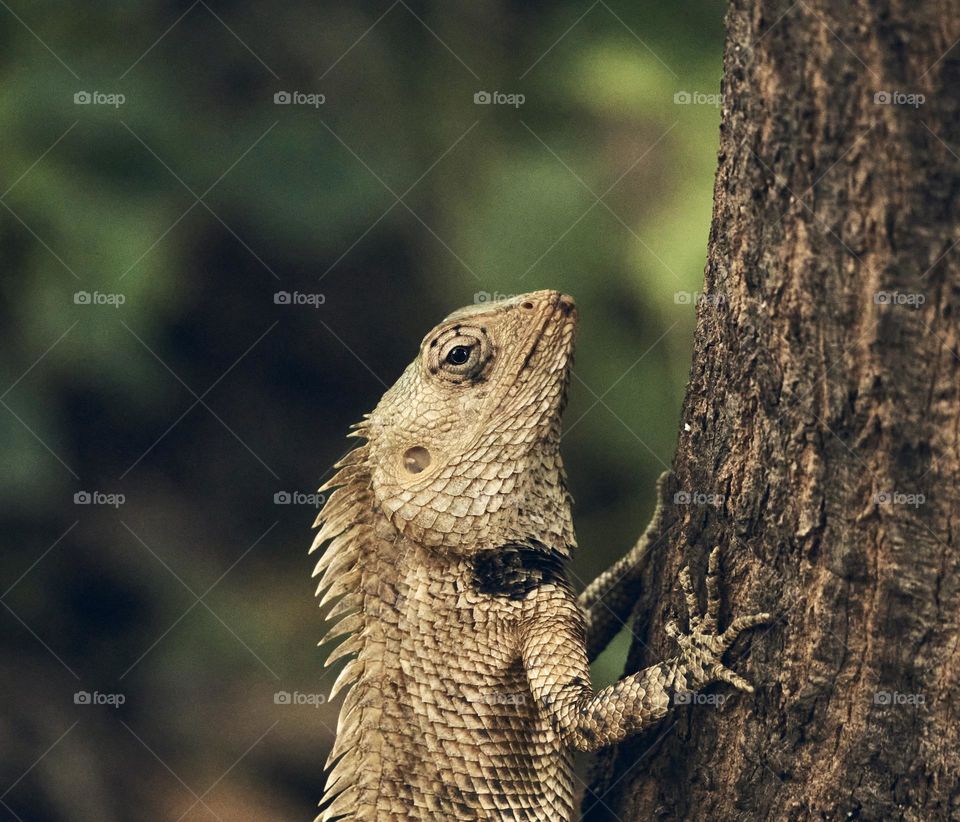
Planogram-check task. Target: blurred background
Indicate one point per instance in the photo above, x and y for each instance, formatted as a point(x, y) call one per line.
point(225, 230)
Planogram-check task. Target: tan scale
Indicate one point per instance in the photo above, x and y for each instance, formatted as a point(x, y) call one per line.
point(446, 540)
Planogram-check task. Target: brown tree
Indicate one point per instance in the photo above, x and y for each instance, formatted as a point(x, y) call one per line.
point(819, 439)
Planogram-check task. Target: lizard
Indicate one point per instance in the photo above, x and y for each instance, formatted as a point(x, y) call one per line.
point(447, 535)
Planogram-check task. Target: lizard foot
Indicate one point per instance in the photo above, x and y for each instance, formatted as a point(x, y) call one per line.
point(702, 649)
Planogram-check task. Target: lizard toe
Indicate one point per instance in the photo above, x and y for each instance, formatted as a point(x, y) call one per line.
point(724, 674)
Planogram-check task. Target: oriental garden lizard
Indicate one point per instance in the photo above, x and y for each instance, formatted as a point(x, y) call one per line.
point(446, 544)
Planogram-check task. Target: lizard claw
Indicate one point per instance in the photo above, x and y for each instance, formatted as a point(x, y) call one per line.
point(672, 629)
point(724, 674)
point(693, 607)
point(702, 649)
point(741, 624)
point(713, 592)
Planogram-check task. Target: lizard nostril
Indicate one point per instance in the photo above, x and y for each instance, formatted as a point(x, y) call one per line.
point(526, 305)
point(416, 459)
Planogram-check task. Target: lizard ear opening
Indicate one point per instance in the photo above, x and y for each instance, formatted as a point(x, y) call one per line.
point(416, 459)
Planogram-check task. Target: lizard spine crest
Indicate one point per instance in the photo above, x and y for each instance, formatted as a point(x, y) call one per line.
point(346, 529)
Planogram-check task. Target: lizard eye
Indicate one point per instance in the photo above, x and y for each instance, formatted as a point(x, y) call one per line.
point(458, 353)
point(460, 356)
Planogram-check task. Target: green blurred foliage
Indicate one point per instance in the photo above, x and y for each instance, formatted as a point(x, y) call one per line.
point(599, 185)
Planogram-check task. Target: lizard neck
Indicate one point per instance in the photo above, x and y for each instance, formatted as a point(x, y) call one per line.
point(495, 492)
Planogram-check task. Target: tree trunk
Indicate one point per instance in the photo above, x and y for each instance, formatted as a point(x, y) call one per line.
point(823, 415)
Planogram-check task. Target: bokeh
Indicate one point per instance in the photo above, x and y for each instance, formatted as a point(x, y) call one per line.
point(226, 228)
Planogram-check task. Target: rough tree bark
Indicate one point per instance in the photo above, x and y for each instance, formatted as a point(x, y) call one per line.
point(823, 410)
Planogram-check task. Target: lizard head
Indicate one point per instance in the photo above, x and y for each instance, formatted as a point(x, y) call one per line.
point(464, 448)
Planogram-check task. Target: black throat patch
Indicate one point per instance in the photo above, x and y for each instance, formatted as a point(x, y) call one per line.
point(515, 569)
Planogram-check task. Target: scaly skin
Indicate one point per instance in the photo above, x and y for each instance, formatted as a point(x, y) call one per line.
point(447, 540)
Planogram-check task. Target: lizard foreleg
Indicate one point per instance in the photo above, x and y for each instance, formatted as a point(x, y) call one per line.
point(558, 673)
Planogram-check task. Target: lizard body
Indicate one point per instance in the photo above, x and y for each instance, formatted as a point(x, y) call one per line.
point(447, 537)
